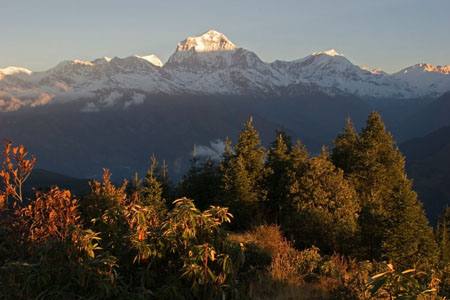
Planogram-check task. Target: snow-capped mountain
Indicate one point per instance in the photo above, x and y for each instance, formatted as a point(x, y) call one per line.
point(332, 70)
point(210, 64)
point(13, 71)
point(426, 79)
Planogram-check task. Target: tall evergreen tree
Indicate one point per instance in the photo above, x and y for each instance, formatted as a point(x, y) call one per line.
point(201, 183)
point(324, 206)
point(297, 160)
point(151, 191)
point(377, 170)
point(408, 238)
point(443, 236)
point(242, 178)
point(378, 167)
point(344, 153)
point(278, 161)
point(166, 184)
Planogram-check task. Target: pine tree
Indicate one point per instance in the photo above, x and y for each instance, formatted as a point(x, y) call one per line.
point(298, 163)
point(166, 184)
point(344, 153)
point(377, 170)
point(408, 238)
point(201, 183)
point(324, 206)
point(242, 178)
point(278, 161)
point(298, 159)
point(151, 192)
point(443, 236)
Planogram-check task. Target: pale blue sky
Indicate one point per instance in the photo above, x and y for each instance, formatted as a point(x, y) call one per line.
point(387, 34)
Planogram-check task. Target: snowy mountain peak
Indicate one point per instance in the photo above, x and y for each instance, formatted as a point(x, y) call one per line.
point(373, 71)
point(153, 59)
point(207, 42)
point(103, 60)
point(13, 70)
point(330, 52)
point(85, 63)
point(423, 67)
point(211, 49)
point(430, 68)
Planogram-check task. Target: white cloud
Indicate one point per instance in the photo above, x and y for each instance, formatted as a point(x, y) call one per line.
point(136, 99)
point(90, 107)
point(111, 99)
point(213, 151)
point(15, 99)
point(42, 100)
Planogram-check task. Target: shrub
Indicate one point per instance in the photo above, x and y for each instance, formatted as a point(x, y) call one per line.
point(408, 284)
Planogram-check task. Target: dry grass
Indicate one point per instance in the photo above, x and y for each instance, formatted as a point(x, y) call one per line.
point(285, 259)
point(294, 274)
point(283, 279)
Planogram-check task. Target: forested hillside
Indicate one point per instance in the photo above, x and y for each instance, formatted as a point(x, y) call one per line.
point(275, 223)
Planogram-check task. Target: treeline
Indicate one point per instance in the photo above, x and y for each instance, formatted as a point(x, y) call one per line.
point(355, 200)
point(258, 213)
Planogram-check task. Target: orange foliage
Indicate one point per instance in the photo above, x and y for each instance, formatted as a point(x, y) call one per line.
point(15, 170)
point(118, 195)
point(51, 215)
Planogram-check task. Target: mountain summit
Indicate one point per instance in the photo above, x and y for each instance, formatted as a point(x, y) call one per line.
point(210, 48)
point(13, 70)
point(330, 52)
point(207, 42)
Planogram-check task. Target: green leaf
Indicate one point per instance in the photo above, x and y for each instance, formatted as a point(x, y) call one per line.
point(377, 285)
point(211, 274)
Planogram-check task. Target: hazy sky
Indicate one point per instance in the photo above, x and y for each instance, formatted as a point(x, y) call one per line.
point(387, 34)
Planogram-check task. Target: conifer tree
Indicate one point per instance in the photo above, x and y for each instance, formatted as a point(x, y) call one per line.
point(166, 184)
point(242, 178)
point(152, 189)
point(278, 161)
point(201, 183)
point(344, 153)
point(408, 238)
point(297, 160)
point(324, 205)
point(377, 170)
point(443, 236)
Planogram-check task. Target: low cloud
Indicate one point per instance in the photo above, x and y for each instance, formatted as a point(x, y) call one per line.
point(111, 99)
point(11, 101)
point(42, 100)
point(108, 101)
point(214, 151)
point(136, 99)
point(90, 107)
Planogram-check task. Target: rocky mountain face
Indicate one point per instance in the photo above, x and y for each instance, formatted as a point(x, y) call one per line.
point(210, 64)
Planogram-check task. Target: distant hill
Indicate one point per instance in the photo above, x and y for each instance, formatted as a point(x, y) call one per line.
point(428, 163)
point(81, 144)
point(431, 117)
point(42, 180)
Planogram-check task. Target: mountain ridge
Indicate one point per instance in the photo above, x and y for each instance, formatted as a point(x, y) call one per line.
point(210, 64)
